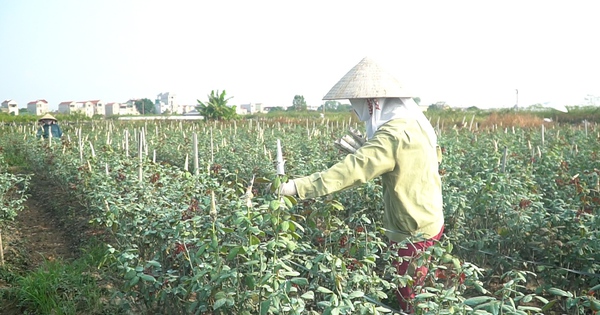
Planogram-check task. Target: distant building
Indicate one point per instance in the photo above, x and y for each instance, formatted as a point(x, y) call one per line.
point(10, 107)
point(66, 107)
point(188, 108)
point(121, 109)
point(98, 107)
point(38, 108)
point(112, 108)
point(241, 111)
point(85, 107)
point(252, 108)
point(245, 109)
point(166, 103)
point(128, 109)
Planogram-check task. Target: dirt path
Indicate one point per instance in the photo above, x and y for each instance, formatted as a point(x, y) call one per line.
point(35, 237)
point(44, 239)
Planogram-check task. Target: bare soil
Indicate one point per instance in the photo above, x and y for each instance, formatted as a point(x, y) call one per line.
point(33, 238)
point(36, 237)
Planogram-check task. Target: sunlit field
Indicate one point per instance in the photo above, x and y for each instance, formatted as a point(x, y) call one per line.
point(186, 220)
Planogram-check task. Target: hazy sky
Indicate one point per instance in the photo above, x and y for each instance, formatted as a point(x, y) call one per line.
point(466, 53)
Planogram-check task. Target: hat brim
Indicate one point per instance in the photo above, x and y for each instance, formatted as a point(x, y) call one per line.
point(367, 80)
point(47, 117)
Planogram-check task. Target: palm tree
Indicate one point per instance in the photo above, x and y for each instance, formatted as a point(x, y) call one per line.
point(216, 107)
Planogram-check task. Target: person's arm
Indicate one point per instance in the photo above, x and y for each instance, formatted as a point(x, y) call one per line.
point(373, 159)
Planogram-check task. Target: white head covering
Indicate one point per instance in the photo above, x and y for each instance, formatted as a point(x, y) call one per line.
point(375, 112)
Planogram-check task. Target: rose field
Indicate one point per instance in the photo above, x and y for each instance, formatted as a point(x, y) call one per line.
point(184, 219)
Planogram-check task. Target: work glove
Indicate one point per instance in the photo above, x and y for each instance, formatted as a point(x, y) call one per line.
point(288, 189)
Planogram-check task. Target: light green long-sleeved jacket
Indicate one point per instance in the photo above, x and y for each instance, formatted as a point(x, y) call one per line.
point(399, 152)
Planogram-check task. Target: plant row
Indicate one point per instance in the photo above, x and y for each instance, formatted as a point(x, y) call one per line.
point(216, 239)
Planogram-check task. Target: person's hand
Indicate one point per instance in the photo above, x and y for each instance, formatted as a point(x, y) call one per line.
point(288, 189)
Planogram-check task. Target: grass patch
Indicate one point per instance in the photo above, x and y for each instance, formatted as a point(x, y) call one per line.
point(60, 287)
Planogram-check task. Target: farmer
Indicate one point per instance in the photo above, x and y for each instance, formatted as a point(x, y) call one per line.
point(401, 147)
point(49, 126)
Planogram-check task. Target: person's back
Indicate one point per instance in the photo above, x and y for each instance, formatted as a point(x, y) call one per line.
point(412, 189)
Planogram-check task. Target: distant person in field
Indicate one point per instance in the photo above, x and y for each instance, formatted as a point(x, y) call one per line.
point(48, 126)
point(401, 147)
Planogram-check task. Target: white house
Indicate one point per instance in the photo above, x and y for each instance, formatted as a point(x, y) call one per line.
point(187, 108)
point(115, 108)
point(38, 108)
point(128, 109)
point(112, 108)
point(10, 107)
point(252, 108)
point(98, 107)
point(166, 103)
point(66, 107)
point(241, 111)
point(86, 108)
point(247, 109)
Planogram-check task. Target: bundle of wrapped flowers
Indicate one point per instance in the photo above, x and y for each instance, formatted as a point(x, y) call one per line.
point(351, 142)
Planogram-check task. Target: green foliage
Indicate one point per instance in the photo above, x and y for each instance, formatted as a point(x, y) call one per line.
point(216, 107)
point(219, 242)
point(298, 104)
point(277, 109)
point(335, 106)
point(145, 106)
point(12, 195)
point(576, 114)
point(456, 116)
point(21, 118)
point(331, 105)
point(539, 208)
point(31, 118)
point(302, 117)
point(13, 190)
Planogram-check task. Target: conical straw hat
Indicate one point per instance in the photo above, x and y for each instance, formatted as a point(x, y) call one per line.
point(48, 117)
point(366, 80)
